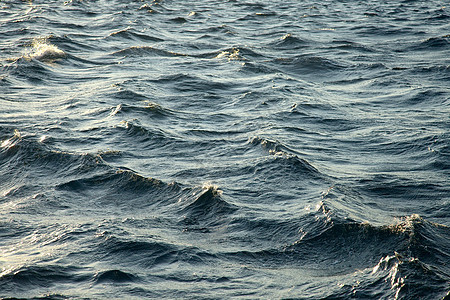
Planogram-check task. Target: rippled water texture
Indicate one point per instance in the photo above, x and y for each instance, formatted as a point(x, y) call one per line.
point(220, 149)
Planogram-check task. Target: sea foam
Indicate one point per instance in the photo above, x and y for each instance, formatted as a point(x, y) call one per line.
point(44, 51)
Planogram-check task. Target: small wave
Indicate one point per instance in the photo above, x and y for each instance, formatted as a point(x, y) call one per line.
point(284, 156)
point(31, 70)
point(336, 246)
point(382, 30)
point(426, 96)
point(12, 141)
point(129, 33)
point(439, 15)
point(69, 43)
point(269, 145)
point(407, 189)
point(290, 42)
point(148, 254)
point(122, 179)
point(307, 65)
point(189, 84)
point(114, 276)
point(349, 45)
point(405, 278)
point(149, 8)
point(124, 188)
point(129, 95)
point(215, 30)
point(266, 233)
point(44, 51)
point(431, 44)
point(29, 155)
point(205, 204)
point(233, 53)
point(150, 108)
point(141, 51)
point(434, 70)
point(147, 135)
point(255, 68)
point(178, 20)
point(258, 16)
point(31, 277)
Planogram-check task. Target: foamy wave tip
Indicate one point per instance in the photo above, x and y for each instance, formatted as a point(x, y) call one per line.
point(213, 188)
point(44, 51)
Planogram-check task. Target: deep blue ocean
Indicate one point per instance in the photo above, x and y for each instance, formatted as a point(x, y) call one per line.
point(224, 149)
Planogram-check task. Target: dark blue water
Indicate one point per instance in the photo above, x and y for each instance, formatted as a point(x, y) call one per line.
point(220, 149)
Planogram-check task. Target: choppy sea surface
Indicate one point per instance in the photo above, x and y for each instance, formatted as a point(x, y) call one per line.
point(225, 149)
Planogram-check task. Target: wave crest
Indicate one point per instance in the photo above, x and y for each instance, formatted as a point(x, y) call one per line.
point(44, 51)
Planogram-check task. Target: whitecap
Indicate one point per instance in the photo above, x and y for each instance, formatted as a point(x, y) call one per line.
point(44, 51)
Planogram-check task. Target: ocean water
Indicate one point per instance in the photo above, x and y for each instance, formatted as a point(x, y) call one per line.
point(224, 149)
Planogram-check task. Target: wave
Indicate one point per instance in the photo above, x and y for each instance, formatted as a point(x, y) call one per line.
point(392, 260)
point(434, 43)
point(45, 62)
point(290, 42)
point(146, 135)
point(47, 52)
point(307, 65)
point(352, 46)
point(92, 176)
point(283, 154)
point(257, 68)
point(86, 174)
point(32, 71)
point(212, 31)
point(181, 82)
point(129, 33)
point(234, 53)
point(88, 179)
point(270, 146)
point(114, 276)
point(205, 205)
point(150, 109)
point(28, 156)
point(148, 254)
point(46, 276)
point(258, 16)
point(121, 190)
point(143, 51)
point(382, 30)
